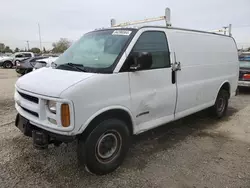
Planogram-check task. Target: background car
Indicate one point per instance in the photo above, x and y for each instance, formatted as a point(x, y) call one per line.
point(244, 58)
point(26, 65)
point(48, 62)
point(10, 61)
point(244, 75)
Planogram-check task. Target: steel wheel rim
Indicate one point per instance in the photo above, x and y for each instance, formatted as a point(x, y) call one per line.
point(221, 104)
point(108, 146)
point(8, 65)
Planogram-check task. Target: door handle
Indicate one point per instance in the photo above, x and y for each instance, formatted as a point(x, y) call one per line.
point(176, 66)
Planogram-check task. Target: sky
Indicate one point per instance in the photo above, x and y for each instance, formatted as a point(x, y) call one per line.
point(72, 18)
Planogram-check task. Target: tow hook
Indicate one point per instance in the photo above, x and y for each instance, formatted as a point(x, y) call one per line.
point(56, 143)
point(40, 139)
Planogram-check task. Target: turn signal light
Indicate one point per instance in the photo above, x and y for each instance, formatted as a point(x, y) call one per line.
point(246, 76)
point(65, 115)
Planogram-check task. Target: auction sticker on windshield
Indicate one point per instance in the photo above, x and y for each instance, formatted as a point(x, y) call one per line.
point(121, 32)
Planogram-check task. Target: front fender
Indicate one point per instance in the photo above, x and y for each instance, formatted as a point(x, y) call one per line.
point(99, 112)
point(218, 89)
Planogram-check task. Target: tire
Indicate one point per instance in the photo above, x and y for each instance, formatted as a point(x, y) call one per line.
point(7, 64)
point(221, 104)
point(105, 147)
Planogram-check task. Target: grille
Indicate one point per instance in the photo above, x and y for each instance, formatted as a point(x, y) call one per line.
point(29, 98)
point(29, 111)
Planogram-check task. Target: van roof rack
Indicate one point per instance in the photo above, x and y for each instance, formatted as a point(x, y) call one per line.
point(223, 30)
point(166, 18)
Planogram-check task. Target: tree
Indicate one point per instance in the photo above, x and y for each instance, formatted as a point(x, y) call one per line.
point(17, 50)
point(60, 46)
point(248, 49)
point(2, 47)
point(44, 50)
point(7, 49)
point(35, 50)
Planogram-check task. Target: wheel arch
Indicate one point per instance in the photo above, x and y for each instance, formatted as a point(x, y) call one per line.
point(7, 61)
point(225, 85)
point(118, 112)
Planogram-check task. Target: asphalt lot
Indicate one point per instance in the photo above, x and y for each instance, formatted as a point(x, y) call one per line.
point(197, 151)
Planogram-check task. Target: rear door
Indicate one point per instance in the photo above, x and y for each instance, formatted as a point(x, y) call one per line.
point(153, 93)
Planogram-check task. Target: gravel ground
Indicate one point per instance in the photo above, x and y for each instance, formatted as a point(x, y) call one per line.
point(197, 151)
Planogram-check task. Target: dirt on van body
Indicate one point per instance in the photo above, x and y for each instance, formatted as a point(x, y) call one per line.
point(196, 151)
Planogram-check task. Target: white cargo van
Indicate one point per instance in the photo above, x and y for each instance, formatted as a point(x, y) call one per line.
point(117, 82)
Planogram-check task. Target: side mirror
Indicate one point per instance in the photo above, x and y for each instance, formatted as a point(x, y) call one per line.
point(135, 67)
point(141, 61)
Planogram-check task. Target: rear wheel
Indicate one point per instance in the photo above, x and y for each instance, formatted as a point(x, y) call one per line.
point(221, 104)
point(105, 148)
point(8, 64)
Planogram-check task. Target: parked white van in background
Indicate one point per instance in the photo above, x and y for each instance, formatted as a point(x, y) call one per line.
point(117, 82)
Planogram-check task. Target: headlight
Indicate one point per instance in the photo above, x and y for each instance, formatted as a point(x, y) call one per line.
point(52, 106)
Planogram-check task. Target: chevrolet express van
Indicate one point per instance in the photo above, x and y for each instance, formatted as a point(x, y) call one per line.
point(118, 82)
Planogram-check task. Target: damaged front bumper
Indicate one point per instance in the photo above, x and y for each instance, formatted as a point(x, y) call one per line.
point(41, 138)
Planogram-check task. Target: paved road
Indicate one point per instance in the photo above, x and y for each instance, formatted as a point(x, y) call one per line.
point(197, 151)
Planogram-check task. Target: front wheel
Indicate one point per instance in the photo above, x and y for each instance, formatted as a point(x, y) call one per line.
point(221, 104)
point(105, 147)
point(8, 64)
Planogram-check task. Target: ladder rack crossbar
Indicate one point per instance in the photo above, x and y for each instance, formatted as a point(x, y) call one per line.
point(140, 21)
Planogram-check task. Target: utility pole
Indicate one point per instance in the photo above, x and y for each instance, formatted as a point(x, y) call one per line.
point(230, 30)
point(113, 22)
point(40, 40)
point(28, 45)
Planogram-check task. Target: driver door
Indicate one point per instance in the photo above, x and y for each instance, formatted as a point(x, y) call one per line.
point(153, 93)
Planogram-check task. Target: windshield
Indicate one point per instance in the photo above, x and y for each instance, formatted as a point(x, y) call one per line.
point(245, 64)
point(97, 50)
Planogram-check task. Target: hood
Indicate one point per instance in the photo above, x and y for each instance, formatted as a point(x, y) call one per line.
point(50, 82)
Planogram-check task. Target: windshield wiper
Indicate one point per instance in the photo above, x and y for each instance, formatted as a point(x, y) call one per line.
point(76, 66)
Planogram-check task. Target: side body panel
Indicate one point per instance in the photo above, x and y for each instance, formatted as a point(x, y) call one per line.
point(207, 61)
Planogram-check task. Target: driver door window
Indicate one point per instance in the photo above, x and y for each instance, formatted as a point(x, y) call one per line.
point(154, 42)
point(19, 56)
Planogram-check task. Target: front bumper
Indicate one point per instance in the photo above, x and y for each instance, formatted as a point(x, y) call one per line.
point(40, 136)
point(244, 83)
